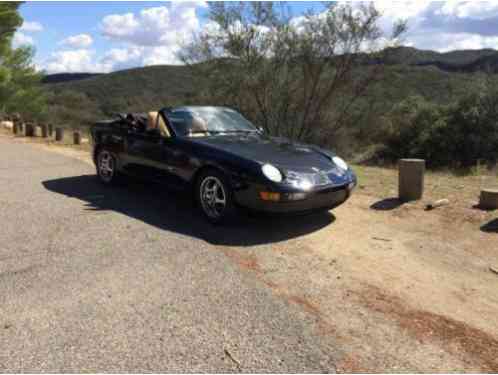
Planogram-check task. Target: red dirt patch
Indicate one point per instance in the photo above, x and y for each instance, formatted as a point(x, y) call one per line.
point(351, 364)
point(456, 337)
point(307, 305)
point(248, 262)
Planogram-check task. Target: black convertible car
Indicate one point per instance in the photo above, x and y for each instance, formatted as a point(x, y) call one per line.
point(223, 159)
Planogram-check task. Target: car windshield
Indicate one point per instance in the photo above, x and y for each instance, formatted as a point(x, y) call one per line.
point(208, 121)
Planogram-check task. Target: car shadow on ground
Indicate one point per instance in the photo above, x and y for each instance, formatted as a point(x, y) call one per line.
point(491, 227)
point(387, 204)
point(175, 212)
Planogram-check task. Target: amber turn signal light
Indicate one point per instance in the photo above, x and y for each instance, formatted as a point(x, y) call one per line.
point(267, 196)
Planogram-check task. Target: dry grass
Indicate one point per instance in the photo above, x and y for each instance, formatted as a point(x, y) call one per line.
point(384, 181)
point(461, 190)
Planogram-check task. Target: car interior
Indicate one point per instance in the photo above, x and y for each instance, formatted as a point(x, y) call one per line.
point(152, 123)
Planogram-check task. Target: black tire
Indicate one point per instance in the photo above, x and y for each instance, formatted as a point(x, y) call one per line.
point(209, 200)
point(107, 158)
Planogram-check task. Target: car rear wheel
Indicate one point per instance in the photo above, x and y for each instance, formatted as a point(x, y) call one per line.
point(107, 167)
point(214, 196)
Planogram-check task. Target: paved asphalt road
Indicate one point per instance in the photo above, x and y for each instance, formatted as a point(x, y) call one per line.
point(131, 279)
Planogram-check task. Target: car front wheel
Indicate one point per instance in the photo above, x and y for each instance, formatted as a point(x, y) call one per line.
point(214, 197)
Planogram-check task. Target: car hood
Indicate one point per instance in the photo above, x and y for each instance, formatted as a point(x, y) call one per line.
point(280, 152)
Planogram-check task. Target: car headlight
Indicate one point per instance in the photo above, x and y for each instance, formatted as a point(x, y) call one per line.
point(272, 173)
point(340, 163)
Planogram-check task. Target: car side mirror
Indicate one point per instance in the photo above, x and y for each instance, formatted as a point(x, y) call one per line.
point(261, 130)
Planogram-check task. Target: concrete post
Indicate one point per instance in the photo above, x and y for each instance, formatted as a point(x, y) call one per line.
point(29, 130)
point(411, 179)
point(77, 137)
point(44, 130)
point(59, 134)
point(50, 130)
point(489, 199)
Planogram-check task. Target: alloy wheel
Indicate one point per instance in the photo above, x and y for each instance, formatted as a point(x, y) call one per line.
point(213, 197)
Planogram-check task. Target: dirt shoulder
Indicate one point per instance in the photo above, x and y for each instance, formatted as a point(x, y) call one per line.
point(402, 289)
point(399, 288)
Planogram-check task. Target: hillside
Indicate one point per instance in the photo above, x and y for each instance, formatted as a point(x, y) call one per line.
point(461, 60)
point(67, 77)
point(79, 99)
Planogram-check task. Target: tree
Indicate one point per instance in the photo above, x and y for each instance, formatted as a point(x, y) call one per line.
point(297, 77)
point(20, 89)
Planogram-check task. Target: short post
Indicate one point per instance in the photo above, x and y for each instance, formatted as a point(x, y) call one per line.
point(489, 199)
point(44, 130)
point(50, 130)
point(411, 179)
point(77, 137)
point(59, 134)
point(15, 127)
point(29, 130)
point(20, 127)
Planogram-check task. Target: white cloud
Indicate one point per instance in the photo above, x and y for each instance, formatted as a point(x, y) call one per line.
point(441, 25)
point(158, 26)
point(132, 56)
point(155, 35)
point(402, 9)
point(119, 26)
point(121, 58)
point(151, 37)
point(453, 41)
point(78, 41)
point(86, 60)
point(470, 9)
point(72, 61)
point(21, 39)
point(31, 27)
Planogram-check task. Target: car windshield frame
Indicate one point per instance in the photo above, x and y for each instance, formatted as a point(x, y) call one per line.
point(209, 121)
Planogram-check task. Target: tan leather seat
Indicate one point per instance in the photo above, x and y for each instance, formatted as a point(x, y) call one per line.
point(155, 121)
point(198, 127)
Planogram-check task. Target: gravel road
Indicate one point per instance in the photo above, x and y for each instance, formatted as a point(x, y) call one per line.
point(130, 279)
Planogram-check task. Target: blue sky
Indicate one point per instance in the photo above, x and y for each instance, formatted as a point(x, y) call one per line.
point(107, 36)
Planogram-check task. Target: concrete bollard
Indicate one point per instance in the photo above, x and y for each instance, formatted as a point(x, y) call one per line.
point(59, 134)
point(489, 199)
point(20, 127)
point(29, 130)
point(411, 179)
point(50, 130)
point(44, 130)
point(77, 137)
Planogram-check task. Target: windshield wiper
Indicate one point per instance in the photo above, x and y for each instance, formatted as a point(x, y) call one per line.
point(236, 131)
point(221, 131)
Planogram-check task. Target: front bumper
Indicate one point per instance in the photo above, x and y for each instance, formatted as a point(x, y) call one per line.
point(326, 198)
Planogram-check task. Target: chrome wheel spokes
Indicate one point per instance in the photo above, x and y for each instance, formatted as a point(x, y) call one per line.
point(213, 197)
point(106, 166)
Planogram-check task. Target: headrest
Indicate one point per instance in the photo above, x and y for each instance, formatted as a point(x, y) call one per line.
point(152, 120)
point(198, 125)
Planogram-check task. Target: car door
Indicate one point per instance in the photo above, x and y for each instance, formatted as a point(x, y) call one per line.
point(144, 156)
point(176, 162)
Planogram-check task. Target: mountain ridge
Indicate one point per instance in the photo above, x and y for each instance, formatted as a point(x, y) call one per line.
point(457, 61)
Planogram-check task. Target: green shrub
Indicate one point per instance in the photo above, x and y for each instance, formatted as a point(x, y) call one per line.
point(456, 135)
